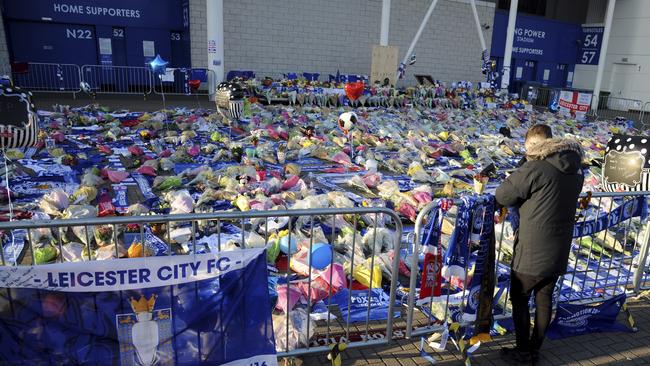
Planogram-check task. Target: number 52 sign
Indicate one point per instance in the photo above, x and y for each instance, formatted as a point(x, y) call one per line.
point(590, 42)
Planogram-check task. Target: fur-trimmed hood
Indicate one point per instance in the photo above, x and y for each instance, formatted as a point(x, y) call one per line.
point(546, 148)
point(565, 154)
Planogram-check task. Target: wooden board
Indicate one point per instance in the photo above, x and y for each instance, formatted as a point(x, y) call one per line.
point(384, 64)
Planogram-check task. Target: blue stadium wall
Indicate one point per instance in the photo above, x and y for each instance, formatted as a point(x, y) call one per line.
point(98, 32)
point(545, 51)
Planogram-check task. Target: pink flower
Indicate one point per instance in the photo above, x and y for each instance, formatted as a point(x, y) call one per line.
point(58, 136)
point(116, 176)
point(407, 211)
point(371, 180)
point(272, 132)
point(105, 150)
point(194, 151)
point(147, 170)
point(290, 183)
point(422, 197)
point(277, 199)
point(135, 150)
point(342, 158)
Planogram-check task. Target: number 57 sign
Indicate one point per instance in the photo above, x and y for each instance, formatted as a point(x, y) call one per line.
point(590, 42)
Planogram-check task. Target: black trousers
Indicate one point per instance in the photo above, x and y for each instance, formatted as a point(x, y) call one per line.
point(521, 287)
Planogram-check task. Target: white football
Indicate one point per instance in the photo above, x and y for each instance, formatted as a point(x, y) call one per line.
point(347, 121)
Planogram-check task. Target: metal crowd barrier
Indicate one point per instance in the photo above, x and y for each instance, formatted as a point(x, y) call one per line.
point(177, 81)
point(645, 116)
point(118, 79)
point(256, 224)
point(103, 79)
point(610, 107)
point(543, 97)
point(47, 77)
point(610, 258)
point(602, 264)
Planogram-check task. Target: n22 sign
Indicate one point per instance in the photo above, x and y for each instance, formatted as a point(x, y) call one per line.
point(590, 45)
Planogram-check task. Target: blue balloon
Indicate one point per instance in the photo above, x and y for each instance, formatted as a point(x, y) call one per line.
point(158, 65)
point(320, 255)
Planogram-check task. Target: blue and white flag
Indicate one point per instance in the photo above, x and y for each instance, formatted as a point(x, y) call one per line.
point(401, 71)
point(483, 219)
point(572, 320)
point(206, 309)
point(456, 257)
point(355, 306)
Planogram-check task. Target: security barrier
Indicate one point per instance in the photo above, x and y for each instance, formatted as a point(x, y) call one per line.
point(118, 79)
point(47, 77)
point(608, 257)
point(246, 230)
point(645, 115)
point(104, 79)
point(609, 243)
point(177, 81)
point(610, 107)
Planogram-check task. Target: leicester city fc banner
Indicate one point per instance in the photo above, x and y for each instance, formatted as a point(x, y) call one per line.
point(633, 207)
point(575, 319)
point(209, 309)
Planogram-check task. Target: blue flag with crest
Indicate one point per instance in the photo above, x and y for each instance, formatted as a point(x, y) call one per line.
point(205, 309)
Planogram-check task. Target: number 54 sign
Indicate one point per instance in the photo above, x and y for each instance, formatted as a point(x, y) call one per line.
point(590, 45)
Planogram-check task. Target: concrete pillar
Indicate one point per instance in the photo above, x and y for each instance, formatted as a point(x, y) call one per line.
point(609, 15)
point(510, 38)
point(385, 22)
point(214, 11)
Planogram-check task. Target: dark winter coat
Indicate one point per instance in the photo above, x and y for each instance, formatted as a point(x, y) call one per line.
point(545, 190)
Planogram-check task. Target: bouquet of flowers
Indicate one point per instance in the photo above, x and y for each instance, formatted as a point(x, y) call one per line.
point(104, 235)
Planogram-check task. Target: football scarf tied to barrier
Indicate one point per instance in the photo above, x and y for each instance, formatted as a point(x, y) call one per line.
point(466, 268)
point(633, 207)
point(636, 206)
point(172, 310)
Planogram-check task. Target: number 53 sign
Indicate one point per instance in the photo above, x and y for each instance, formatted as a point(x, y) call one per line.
point(590, 42)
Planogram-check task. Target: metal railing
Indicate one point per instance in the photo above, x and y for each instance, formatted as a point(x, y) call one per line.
point(118, 79)
point(252, 229)
point(610, 107)
point(47, 77)
point(103, 79)
point(602, 263)
point(178, 82)
point(645, 116)
point(543, 97)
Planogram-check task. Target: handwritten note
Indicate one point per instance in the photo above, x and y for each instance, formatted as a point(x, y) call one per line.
point(624, 167)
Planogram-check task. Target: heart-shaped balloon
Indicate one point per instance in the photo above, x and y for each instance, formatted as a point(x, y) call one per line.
point(194, 84)
point(354, 90)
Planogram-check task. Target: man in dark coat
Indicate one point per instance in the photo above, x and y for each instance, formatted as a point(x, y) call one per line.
point(545, 190)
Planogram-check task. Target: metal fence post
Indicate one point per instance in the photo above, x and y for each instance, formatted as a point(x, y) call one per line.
point(394, 276)
point(414, 266)
point(644, 114)
point(643, 254)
